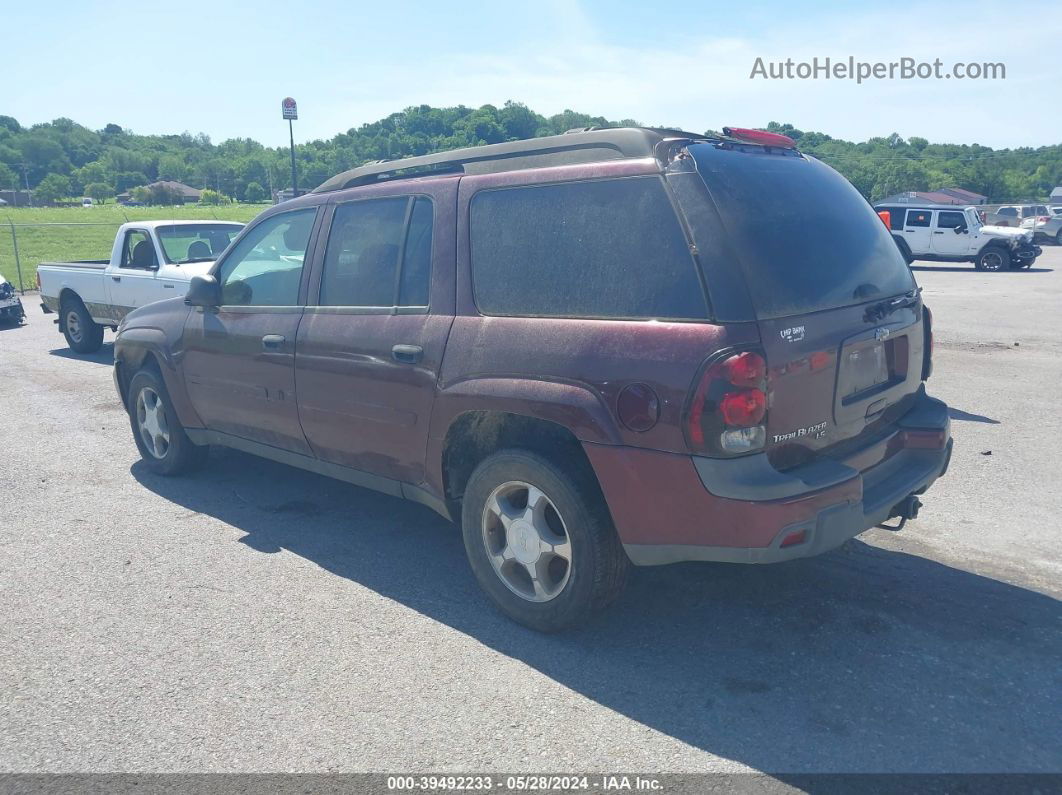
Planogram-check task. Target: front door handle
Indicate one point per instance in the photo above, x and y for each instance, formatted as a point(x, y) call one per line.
point(116, 278)
point(273, 342)
point(937, 233)
point(407, 354)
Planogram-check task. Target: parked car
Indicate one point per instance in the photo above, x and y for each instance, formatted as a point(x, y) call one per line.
point(150, 261)
point(11, 310)
point(947, 233)
point(586, 349)
point(1013, 214)
point(87, 202)
point(1045, 227)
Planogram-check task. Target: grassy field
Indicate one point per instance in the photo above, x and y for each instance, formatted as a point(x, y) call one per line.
point(49, 243)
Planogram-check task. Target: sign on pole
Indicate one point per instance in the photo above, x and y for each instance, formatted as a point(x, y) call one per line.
point(289, 108)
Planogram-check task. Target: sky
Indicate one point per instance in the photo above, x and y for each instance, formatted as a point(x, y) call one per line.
point(222, 68)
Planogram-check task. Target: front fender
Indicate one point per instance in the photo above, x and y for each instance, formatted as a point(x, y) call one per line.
point(132, 347)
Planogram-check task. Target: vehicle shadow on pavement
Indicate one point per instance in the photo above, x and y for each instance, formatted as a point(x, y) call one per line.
point(104, 355)
point(959, 414)
point(861, 660)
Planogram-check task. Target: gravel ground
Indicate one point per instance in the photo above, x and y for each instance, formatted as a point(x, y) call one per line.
point(257, 618)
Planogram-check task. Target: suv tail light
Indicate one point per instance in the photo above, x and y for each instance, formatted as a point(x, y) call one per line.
point(886, 218)
point(927, 356)
point(727, 411)
point(1042, 219)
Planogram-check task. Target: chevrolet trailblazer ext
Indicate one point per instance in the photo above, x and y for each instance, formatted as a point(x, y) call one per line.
point(595, 349)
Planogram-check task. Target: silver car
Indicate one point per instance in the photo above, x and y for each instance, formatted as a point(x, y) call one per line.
point(1045, 227)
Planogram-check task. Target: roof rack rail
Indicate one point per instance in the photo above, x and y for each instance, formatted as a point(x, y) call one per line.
point(575, 146)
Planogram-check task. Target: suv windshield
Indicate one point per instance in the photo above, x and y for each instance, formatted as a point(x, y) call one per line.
point(804, 237)
point(195, 242)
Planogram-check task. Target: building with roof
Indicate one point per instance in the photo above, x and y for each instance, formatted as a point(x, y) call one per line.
point(940, 196)
point(186, 192)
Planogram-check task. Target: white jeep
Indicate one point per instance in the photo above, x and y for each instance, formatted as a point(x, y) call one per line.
point(951, 233)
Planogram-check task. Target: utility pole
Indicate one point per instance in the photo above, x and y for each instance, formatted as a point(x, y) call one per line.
point(289, 110)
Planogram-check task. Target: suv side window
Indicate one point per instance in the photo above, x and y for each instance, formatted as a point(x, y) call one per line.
point(265, 267)
point(379, 253)
point(896, 215)
point(1009, 211)
point(919, 217)
point(598, 249)
point(949, 219)
point(138, 252)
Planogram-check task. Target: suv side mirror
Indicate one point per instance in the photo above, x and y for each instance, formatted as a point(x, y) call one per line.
point(203, 291)
point(961, 230)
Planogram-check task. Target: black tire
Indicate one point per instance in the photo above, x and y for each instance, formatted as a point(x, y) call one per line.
point(178, 454)
point(1058, 237)
point(993, 258)
point(598, 569)
point(83, 334)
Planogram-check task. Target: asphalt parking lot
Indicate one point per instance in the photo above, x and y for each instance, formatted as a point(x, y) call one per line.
point(254, 617)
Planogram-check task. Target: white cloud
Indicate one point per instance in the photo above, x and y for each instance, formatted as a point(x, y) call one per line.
point(702, 81)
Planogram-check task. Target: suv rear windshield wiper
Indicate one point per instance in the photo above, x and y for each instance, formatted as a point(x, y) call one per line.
point(883, 309)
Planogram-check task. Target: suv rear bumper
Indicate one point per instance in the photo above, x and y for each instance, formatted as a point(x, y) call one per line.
point(743, 514)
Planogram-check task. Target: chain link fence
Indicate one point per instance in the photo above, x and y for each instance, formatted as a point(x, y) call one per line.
point(23, 246)
point(31, 236)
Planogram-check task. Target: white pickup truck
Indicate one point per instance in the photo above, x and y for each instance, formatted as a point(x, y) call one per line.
point(150, 261)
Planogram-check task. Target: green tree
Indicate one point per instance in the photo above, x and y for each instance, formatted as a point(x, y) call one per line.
point(213, 197)
point(8, 177)
point(129, 179)
point(254, 193)
point(51, 189)
point(99, 191)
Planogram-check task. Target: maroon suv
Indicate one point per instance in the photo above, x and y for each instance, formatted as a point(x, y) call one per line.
point(594, 349)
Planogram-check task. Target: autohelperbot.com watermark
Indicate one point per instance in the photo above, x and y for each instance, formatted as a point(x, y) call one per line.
point(851, 69)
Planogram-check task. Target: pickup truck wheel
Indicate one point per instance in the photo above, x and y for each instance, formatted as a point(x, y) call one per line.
point(163, 444)
point(82, 333)
point(993, 258)
point(540, 541)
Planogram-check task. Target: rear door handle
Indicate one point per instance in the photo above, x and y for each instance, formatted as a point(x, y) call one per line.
point(407, 354)
point(938, 233)
point(273, 342)
point(116, 278)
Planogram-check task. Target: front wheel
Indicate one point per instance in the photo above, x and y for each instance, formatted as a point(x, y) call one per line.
point(159, 435)
point(1058, 238)
point(83, 334)
point(993, 259)
point(540, 540)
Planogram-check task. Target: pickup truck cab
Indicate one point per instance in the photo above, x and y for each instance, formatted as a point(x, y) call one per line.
point(150, 261)
point(950, 233)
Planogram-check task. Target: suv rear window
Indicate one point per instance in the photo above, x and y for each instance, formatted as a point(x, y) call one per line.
point(596, 249)
point(805, 238)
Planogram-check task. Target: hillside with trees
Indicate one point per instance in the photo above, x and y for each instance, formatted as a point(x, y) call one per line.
point(64, 159)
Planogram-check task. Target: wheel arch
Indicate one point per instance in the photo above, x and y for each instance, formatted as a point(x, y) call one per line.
point(475, 434)
point(138, 348)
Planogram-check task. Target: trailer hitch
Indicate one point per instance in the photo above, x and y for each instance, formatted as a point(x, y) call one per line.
point(905, 509)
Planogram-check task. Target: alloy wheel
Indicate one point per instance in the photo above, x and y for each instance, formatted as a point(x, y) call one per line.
point(73, 326)
point(151, 422)
point(526, 541)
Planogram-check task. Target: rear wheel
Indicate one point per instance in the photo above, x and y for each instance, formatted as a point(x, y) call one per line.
point(993, 258)
point(82, 333)
point(159, 435)
point(540, 540)
point(1058, 238)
